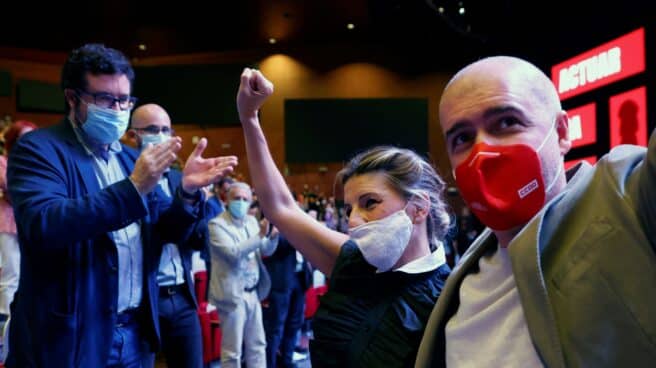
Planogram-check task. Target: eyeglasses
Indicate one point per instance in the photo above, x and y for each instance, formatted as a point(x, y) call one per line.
point(155, 129)
point(107, 100)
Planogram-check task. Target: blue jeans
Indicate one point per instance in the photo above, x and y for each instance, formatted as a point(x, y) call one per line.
point(128, 346)
point(180, 329)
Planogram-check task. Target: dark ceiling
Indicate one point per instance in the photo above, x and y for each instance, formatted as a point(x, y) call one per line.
point(543, 31)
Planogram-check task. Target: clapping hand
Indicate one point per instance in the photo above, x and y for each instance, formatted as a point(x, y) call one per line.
point(152, 162)
point(199, 172)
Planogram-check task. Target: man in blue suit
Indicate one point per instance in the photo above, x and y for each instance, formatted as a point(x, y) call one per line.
point(89, 221)
point(178, 320)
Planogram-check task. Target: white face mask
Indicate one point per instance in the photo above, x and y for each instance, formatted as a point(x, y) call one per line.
point(382, 242)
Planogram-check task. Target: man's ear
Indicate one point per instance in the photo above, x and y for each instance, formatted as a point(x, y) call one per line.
point(71, 98)
point(562, 128)
point(132, 136)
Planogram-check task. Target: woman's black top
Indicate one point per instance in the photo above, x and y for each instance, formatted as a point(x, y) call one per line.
point(370, 319)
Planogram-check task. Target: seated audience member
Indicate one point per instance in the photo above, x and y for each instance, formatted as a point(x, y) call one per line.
point(564, 275)
point(387, 273)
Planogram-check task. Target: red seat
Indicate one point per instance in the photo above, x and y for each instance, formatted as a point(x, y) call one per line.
point(216, 334)
point(200, 286)
point(210, 325)
point(312, 299)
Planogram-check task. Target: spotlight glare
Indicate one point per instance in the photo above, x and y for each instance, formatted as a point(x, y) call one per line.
point(272, 40)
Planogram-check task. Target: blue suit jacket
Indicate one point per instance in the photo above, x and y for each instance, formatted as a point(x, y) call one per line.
point(64, 311)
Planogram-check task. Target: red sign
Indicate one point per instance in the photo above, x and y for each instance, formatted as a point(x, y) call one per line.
point(612, 61)
point(628, 118)
point(583, 125)
point(569, 164)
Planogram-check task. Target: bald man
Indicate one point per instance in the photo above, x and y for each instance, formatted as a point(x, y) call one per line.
point(178, 321)
point(565, 273)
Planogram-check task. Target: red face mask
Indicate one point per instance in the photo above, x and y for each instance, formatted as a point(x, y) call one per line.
point(502, 185)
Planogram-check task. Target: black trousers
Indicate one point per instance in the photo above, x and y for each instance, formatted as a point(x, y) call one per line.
point(283, 319)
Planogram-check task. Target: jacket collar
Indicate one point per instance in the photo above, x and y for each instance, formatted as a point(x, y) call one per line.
point(81, 156)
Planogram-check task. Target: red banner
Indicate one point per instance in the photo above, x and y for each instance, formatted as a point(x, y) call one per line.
point(628, 118)
point(583, 125)
point(612, 61)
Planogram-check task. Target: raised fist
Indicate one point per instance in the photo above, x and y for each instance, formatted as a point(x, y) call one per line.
point(253, 91)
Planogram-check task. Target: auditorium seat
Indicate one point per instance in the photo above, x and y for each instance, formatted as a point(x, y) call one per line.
point(209, 320)
point(312, 298)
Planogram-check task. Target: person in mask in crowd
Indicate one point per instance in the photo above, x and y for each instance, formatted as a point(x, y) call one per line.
point(179, 325)
point(90, 224)
point(387, 273)
point(9, 249)
point(239, 280)
point(221, 189)
point(563, 276)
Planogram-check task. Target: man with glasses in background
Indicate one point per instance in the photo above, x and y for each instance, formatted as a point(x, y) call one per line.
point(90, 221)
point(178, 321)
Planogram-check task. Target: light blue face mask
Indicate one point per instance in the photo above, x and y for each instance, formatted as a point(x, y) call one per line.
point(154, 139)
point(105, 125)
point(238, 208)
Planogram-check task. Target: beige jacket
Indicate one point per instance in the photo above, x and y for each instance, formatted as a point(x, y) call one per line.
point(231, 241)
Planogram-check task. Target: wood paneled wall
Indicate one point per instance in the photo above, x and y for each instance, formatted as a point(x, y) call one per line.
point(293, 78)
